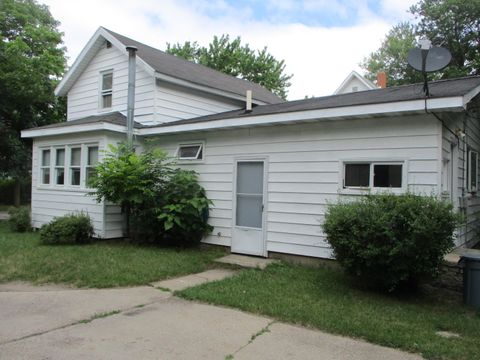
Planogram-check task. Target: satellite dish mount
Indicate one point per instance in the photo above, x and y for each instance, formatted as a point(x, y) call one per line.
point(428, 59)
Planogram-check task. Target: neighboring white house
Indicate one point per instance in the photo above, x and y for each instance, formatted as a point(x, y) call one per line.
point(354, 82)
point(271, 171)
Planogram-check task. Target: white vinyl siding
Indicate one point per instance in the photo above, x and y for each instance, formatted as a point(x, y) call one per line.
point(176, 103)
point(83, 97)
point(53, 200)
point(304, 169)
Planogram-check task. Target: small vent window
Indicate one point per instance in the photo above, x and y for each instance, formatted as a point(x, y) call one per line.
point(190, 152)
point(373, 175)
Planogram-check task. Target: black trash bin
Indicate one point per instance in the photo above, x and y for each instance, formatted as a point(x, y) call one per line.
point(471, 279)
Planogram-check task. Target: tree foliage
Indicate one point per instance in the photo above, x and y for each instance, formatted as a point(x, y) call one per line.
point(233, 58)
point(31, 61)
point(454, 24)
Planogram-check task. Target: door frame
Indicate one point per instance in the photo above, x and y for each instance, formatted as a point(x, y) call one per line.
point(253, 158)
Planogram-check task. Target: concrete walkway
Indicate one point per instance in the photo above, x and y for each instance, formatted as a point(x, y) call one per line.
point(147, 323)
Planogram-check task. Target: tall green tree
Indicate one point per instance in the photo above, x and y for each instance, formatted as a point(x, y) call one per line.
point(233, 58)
point(391, 57)
point(31, 61)
point(454, 24)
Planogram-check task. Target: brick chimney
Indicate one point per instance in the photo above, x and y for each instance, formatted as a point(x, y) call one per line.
point(382, 79)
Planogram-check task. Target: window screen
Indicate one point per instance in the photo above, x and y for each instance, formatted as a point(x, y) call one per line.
point(190, 152)
point(357, 175)
point(387, 176)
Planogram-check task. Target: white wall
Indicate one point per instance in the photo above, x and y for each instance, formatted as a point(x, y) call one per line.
point(84, 96)
point(50, 201)
point(175, 103)
point(304, 171)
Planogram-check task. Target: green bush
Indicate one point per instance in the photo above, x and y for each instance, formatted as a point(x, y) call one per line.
point(391, 242)
point(185, 209)
point(69, 229)
point(177, 215)
point(19, 220)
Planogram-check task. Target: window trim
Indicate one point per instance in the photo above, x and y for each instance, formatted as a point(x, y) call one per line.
point(56, 167)
point(45, 167)
point(102, 92)
point(359, 190)
point(472, 189)
point(71, 167)
point(195, 159)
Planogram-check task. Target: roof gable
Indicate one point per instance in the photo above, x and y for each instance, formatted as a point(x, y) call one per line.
point(352, 76)
point(157, 62)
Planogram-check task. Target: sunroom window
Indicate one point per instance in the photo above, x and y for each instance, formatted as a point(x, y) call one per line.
point(92, 160)
point(60, 166)
point(190, 152)
point(106, 90)
point(45, 167)
point(75, 165)
point(373, 175)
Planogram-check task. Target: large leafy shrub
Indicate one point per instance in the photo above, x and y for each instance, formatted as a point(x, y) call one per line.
point(19, 219)
point(185, 210)
point(165, 205)
point(69, 229)
point(391, 241)
point(130, 179)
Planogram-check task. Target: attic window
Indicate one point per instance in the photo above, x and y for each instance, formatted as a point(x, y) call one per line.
point(106, 89)
point(108, 44)
point(190, 152)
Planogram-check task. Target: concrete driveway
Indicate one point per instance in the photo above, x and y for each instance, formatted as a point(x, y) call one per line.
point(146, 323)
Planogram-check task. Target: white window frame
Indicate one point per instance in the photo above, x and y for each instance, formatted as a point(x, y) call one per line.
point(45, 167)
point(472, 163)
point(105, 92)
point(87, 165)
point(353, 190)
point(201, 149)
point(71, 167)
point(56, 168)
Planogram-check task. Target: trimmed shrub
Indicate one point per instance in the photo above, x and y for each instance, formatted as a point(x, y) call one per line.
point(391, 241)
point(20, 219)
point(69, 229)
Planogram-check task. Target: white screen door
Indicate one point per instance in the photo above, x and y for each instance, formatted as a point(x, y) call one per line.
point(249, 196)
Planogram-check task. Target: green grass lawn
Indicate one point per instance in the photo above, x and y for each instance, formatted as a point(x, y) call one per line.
point(100, 264)
point(325, 299)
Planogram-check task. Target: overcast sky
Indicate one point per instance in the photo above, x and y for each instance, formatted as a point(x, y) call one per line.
point(321, 41)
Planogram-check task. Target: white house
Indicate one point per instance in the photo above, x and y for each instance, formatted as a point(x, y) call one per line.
point(354, 82)
point(271, 171)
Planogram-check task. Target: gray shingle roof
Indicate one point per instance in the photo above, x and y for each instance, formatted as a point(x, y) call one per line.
point(186, 70)
point(438, 89)
point(116, 118)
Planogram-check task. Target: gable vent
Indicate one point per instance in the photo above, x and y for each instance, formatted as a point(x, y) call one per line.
point(108, 45)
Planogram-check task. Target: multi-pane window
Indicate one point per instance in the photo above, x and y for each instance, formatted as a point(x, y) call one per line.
point(106, 90)
point(75, 165)
point(92, 160)
point(60, 166)
point(373, 175)
point(45, 167)
point(472, 170)
point(190, 152)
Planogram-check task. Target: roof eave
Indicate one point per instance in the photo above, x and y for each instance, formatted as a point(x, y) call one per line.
point(74, 129)
point(87, 54)
point(357, 111)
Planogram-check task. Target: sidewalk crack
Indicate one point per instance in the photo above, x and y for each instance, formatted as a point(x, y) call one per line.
point(262, 331)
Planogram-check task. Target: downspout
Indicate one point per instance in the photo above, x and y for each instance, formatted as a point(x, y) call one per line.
point(132, 50)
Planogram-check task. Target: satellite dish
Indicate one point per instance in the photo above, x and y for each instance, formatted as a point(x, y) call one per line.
point(436, 59)
point(428, 59)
